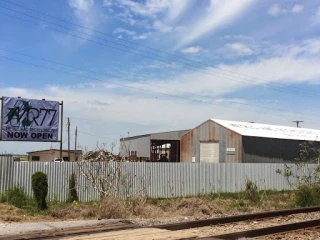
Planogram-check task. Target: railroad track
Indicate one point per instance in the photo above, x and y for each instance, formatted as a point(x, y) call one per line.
point(125, 229)
point(312, 225)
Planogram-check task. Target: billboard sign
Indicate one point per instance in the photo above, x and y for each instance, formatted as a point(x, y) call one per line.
point(29, 120)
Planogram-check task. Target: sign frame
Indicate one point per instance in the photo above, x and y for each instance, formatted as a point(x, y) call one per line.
point(60, 121)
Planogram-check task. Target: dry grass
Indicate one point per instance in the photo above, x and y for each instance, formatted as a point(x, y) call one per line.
point(184, 208)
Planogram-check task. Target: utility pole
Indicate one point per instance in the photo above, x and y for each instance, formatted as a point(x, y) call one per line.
point(68, 125)
point(75, 144)
point(297, 122)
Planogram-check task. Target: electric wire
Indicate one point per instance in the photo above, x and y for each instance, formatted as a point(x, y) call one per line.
point(82, 69)
point(131, 42)
point(246, 81)
point(141, 89)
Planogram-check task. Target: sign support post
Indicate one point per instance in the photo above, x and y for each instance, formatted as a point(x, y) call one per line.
point(61, 129)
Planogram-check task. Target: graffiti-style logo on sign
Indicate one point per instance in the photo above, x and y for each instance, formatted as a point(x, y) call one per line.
point(30, 120)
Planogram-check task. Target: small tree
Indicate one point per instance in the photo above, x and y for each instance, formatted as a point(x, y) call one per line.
point(107, 174)
point(39, 182)
point(306, 178)
point(73, 195)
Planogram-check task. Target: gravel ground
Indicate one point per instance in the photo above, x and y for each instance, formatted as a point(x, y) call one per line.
point(249, 225)
point(297, 235)
point(157, 234)
point(166, 220)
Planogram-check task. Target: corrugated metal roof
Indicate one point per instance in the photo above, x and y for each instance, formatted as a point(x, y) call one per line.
point(270, 131)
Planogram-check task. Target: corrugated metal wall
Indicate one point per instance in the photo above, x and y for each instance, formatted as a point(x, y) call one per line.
point(211, 131)
point(161, 180)
point(269, 150)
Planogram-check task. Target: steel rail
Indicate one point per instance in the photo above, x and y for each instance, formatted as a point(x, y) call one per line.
point(266, 231)
point(236, 218)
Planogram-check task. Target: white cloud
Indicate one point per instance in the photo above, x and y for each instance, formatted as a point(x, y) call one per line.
point(113, 109)
point(88, 15)
point(220, 14)
point(161, 26)
point(177, 7)
point(132, 34)
point(149, 8)
point(297, 8)
point(194, 49)
point(276, 9)
point(128, 32)
point(81, 5)
point(238, 49)
point(318, 12)
point(142, 36)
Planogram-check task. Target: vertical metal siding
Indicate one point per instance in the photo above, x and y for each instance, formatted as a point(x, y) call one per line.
point(160, 180)
point(211, 131)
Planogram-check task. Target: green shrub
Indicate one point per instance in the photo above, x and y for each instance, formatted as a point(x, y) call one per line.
point(251, 191)
point(15, 196)
point(73, 195)
point(40, 189)
point(307, 196)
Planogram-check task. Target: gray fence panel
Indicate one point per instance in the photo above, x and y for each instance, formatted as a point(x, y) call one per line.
point(156, 180)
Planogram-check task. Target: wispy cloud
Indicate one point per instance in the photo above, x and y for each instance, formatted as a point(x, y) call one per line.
point(237, 48)
point(218, 15)
point(128, 32)
point(194, 49)
point(87, 14)
point(132, 34)
point(81, 5)
point(276, 9)
point(297, 8)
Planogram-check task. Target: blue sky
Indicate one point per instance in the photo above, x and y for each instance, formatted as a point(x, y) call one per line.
point(132, 67)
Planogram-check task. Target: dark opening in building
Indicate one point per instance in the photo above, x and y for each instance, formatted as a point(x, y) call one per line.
point(165, 149)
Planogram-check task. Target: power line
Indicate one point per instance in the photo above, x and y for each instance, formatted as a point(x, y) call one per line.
point(141, 89)
point(131, 42)
point(79, 68)
point(82, 69)
point(96, 135)
point(229, 77)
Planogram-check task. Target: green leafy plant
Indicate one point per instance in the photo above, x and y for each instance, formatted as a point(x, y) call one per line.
point(40, 189)
point(15, 196)
point(307, 196)
point(73, 195)
point(306, 178)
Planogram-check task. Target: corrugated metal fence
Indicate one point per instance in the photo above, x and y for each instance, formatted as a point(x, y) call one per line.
point(159, 180)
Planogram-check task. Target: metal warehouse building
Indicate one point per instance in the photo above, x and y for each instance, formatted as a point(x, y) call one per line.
point(220, 141)
point(151, 146)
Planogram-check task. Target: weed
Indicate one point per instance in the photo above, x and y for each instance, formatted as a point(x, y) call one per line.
point(73, 195)
point(308, 195)
point(112, 207)
point(15, 196)
point(251, 191)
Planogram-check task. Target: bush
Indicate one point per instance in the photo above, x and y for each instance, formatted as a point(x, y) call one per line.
point(251, 192)
point(15, 196)
point(307, 196)
point(40, 189)
point(73, 195)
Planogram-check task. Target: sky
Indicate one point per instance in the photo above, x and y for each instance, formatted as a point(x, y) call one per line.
point(125, 68)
